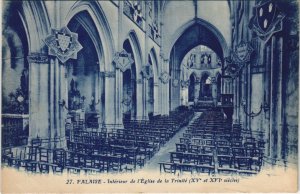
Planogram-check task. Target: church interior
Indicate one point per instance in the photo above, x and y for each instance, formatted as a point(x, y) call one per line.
point(199, 87)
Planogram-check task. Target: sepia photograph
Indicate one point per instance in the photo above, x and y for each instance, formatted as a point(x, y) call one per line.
point(147, 96)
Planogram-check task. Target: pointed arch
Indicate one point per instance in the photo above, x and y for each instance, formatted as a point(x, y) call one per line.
point(95, 11)
point(35, 20)
point(205, 25)
point(218, 73)
point(154, 60)
point(137, 52)
point(83, 19)
point(205, 73)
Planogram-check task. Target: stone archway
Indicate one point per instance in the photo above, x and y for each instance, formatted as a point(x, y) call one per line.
point(129, 85)
point(15, 77)
point(194, 33)
point(84, 82)
point(153, 99)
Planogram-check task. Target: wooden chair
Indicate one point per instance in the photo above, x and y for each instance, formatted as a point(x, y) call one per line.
point(30, 160)
point(181, 147)
point(176, 157)
point(59, 157)
point(44, 160)
point(167, 167)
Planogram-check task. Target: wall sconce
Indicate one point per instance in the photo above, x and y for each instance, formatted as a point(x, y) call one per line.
point(265, 106)
point(62, 103)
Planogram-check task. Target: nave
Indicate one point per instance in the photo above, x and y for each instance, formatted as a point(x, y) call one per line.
point(109, 86)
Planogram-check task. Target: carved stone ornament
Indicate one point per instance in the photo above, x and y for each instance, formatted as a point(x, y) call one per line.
point(63, 44)
point(232, 70)
point(37, 58)
point(147, 71)
point(137, 12)
point(267, 19)
point(185, 84)
point(242, 53)
point(175, 82)
point(109, 74)
point(123, 60)
point(164, 77)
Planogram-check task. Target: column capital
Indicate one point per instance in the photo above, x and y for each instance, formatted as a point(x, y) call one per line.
point(38, 58)
point(107, 74)
point(213, 80)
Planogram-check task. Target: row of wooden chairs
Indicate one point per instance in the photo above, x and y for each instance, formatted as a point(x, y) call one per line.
point(132, 146)
point(229, 151)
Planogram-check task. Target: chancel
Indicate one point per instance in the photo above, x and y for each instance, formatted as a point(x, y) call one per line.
point(180, 87)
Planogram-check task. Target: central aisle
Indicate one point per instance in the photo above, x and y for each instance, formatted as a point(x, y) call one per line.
point(163, 154)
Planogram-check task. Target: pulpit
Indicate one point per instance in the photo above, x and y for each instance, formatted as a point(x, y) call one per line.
point(92, 120)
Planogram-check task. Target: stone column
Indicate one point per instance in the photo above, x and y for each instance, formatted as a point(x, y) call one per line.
point(164, 88)
point(38, 96)
point(279, 114)
point(47, 91)
point(139, 99)
point(145, 99)
point(113, 82)
point(99, 97)
point(58, 113)
point(214, 90)
point(234, 116)
point(133, 105)
point(156, 99)
point(197, 89)
point(243, 116)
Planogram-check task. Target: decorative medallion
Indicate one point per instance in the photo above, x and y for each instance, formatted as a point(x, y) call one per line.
point(231, 69)
point(175, 82)
point(147, 71)
point(63, 44)
point(242, 53)
point(164, 77)
point(123, 60)
point(237, 59)
point(267, 20)
point(185, 84)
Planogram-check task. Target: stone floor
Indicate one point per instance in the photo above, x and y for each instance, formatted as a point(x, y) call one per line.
point(163, 154)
